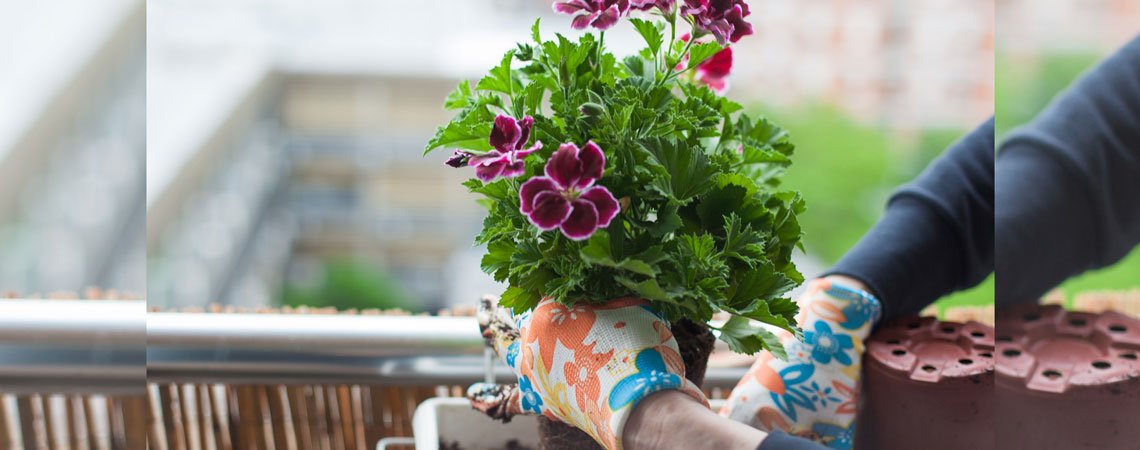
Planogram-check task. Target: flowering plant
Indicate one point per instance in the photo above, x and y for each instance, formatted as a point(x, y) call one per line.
point(608, 177)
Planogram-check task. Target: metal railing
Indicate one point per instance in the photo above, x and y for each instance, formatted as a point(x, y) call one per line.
point(72, 346)
point(314, 348)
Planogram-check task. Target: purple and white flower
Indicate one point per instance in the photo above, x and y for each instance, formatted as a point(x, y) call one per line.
point(723, 18)
point(600, 14)
point(567, 198)
point(508, 137)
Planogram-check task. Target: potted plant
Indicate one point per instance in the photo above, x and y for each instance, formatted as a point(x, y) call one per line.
point(610, 176)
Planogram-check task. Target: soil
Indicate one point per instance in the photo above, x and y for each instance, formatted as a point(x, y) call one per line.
point(696, 344)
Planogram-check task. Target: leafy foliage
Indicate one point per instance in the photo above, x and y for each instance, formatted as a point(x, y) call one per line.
point(704, 225)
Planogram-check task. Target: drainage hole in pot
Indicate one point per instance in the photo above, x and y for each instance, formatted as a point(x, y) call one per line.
point(965, 361)
point(1117, 328)
point(1051, 374)
point(1101, 364)
point(1031, 317)
point(1077, 322)
point(986, 355)
point(898, 352)
point(977, 334)
point(893, 341)
point(948, 330)
point(1131, 356)
point(1013, 352)
point(928, 368)
point(1004, 339)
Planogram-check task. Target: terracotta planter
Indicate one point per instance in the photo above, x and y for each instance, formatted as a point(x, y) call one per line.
point(927, 385)
point(1067, 380)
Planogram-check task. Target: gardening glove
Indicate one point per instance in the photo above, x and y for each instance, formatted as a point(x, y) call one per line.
point(813, 393)
point(586, 365)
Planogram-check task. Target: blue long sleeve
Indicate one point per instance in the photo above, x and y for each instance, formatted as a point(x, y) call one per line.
point(1068, 183)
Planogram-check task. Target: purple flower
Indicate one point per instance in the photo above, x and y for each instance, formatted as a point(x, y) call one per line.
point(508, 137)
point(723, 18)
point(600, 14)
point(566, 197)
point(458, 159)
point(644, 5)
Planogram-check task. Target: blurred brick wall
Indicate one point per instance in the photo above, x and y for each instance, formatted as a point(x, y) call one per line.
point(1030, 27)
point(903, 63)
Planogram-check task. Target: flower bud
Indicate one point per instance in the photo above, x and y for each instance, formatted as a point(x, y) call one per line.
point(458, 159)
point(591, 109)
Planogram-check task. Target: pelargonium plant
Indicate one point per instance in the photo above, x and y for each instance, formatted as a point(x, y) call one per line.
point(607, 177)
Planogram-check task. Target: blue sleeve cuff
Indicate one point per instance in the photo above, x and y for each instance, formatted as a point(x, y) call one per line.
point(778, 440)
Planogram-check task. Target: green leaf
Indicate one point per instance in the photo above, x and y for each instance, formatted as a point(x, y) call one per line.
point(637, 66)
point(519, 300)
point(460, 97)
point(500, 79)
point(667, 221)
point(497, 261)
point(741, 242)
point(648, 289)
point(534, 31)
point(681, 173)
point(651, 32)
point(597, 252)
point(469, 130)
point(744, 337)
point(700, 52)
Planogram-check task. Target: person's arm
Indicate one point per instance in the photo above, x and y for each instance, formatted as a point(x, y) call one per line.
point(937, 234)
point(674, 421)
point(1069, 183)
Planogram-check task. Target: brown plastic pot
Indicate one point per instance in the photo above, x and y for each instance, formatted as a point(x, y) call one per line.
point(927, 385)
point(1067, 380)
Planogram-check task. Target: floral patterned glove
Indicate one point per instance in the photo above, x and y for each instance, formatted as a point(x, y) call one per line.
point(813, 393)
point(586, 365)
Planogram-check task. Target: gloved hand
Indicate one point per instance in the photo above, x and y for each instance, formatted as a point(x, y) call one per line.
point(813, 393)
point(588, 366)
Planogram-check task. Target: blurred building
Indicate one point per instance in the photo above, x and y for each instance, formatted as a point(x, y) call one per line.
point(284, 135)
point(904, 64)
point(1032, 27)
point(72, 130)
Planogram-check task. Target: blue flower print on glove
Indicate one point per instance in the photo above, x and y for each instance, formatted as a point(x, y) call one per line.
point(651, 376)
point(530, 401)
point(828, 345)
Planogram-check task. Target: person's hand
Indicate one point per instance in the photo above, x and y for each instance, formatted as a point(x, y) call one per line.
point(813, 393)
point(588, 366)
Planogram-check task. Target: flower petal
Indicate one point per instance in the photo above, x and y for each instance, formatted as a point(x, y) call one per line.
point(524, 128)
point(519, 155)
point(718, 65)
point(604, 202)
point(564, 167)
point(551, 209)
point(582, 220)
point(531, 189)
point(570, 7)
point(592, 163)
point(607, 18)
point(505, 134)
point(489, 171)
point(582, 21)
point(513, 169)
point(740, 28)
